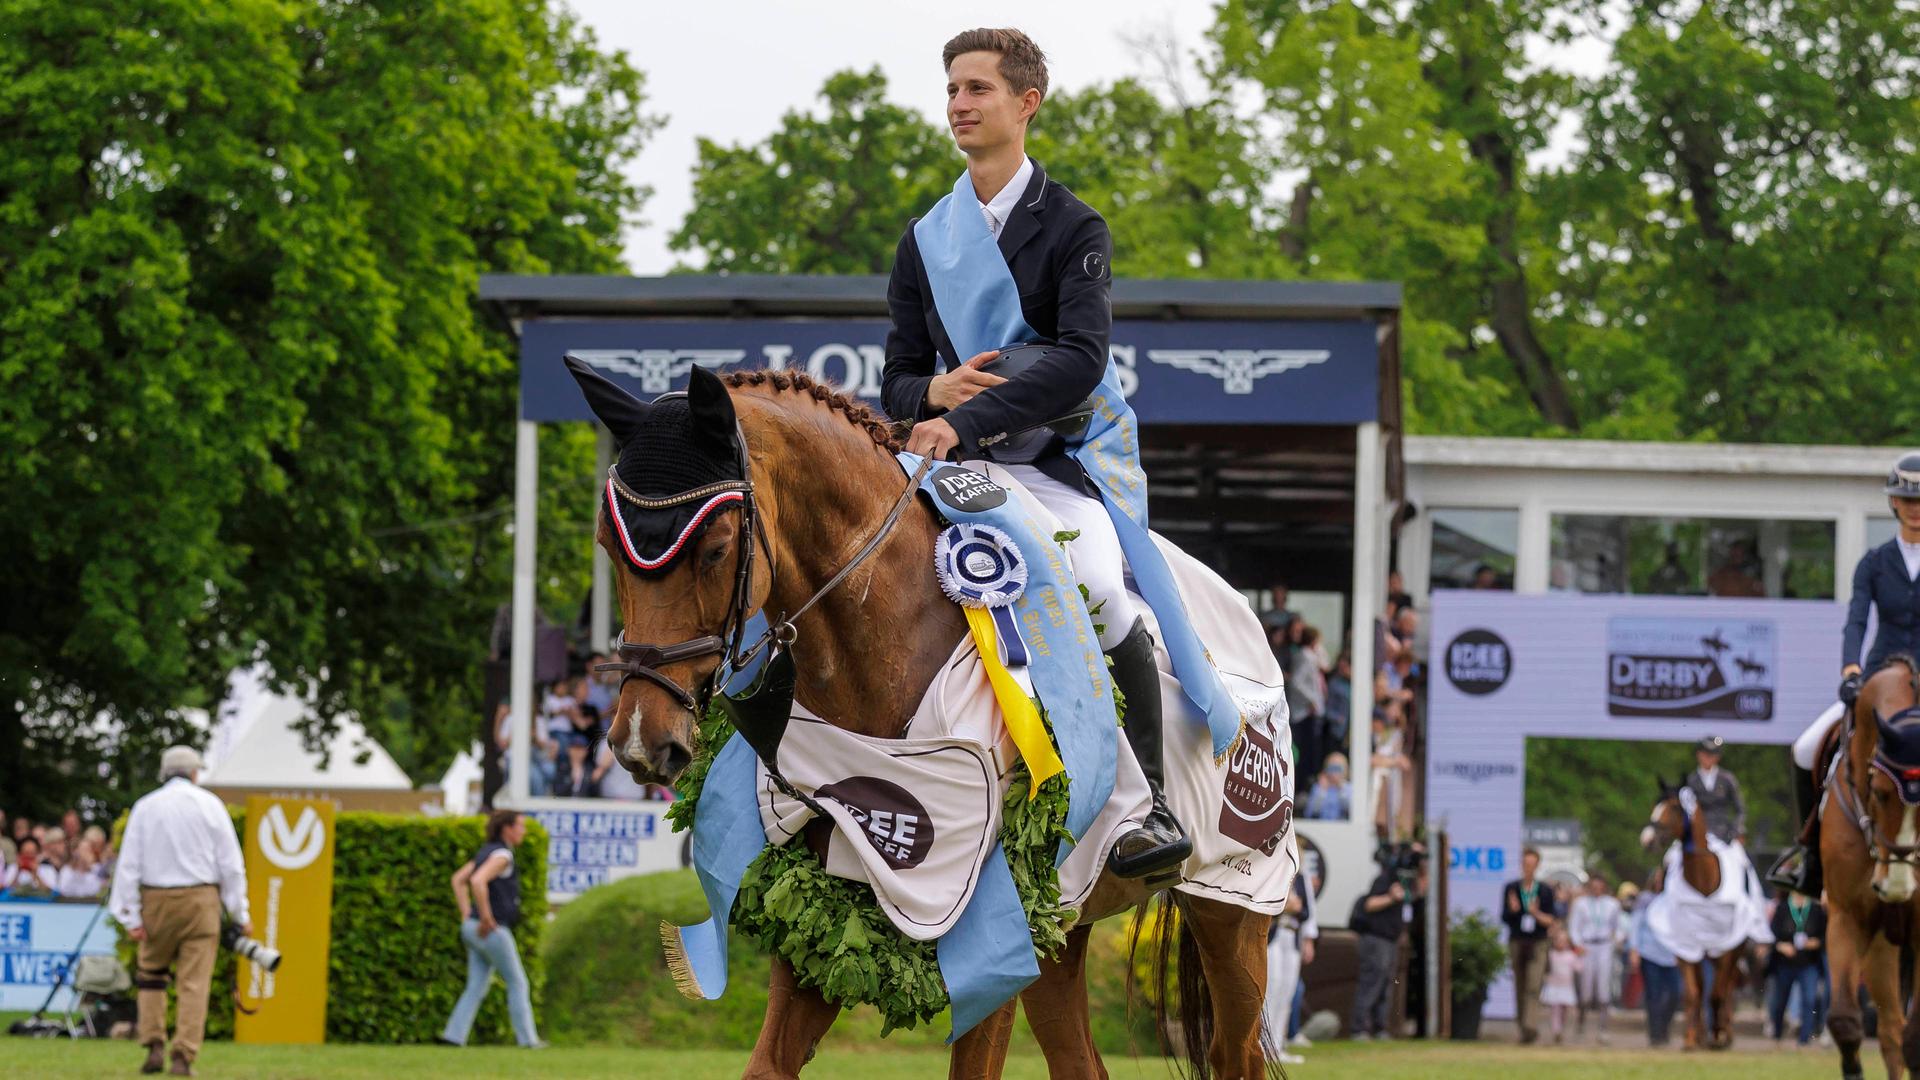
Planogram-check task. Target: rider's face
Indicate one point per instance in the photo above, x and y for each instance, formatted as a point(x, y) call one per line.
point(983, 112)
point(1908, 511)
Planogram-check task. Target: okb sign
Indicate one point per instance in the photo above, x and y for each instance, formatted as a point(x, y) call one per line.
point(289, 849)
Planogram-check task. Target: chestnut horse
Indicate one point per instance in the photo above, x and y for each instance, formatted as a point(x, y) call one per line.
point(1869, 843)
point(824, 477)
point(1670, 823)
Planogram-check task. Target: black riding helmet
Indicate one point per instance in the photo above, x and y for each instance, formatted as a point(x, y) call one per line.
point(1903, 481)
point(1027, 444)
point(1711, 744)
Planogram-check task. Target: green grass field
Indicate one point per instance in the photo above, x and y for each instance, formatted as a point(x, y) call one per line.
point(1413, 1060)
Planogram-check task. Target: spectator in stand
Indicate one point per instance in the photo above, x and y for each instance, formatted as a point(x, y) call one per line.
point(22, 828)
point(28, 875)
point(95, 841)
point(577, 779)
point(540, 760)
point(1339, 702)
point(602, 688)
point(1659, 971)
point(1331, 798)
point(1593, 923)
point(1306, 689)
point(1799, 936)
point(70, 821)
point(54, 849)
point(1392, 772)
point(82, 877)
point(7, 849)
point(1486, 579)
point(1527, 907)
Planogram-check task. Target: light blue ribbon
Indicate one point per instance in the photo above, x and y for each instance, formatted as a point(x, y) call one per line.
point(727, 837)
point(1063, 653)
point(987, 957)
point(979, 307)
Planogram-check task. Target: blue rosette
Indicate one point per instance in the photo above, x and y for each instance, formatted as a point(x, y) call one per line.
point(979, 566)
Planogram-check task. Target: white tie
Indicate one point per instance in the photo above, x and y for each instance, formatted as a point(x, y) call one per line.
point(993, 224)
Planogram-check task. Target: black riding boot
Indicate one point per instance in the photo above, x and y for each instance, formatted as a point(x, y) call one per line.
point(1160, 844)
point(1799, 868)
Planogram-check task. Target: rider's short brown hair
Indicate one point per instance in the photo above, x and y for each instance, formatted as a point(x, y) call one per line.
point(1022, 63)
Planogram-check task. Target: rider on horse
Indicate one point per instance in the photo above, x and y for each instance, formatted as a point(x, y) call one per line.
point(1058, 252)
point(1717, 791)
point(1887, 581)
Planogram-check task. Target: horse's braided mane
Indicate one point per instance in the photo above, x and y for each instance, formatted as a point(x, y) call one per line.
point(856, 413)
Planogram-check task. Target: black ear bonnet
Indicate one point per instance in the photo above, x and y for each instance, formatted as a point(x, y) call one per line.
point(679, 464)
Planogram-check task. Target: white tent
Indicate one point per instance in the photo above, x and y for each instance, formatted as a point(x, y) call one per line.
point(256, 744)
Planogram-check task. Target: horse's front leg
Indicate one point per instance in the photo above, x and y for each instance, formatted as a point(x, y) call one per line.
point(1233, 956)
point(1910, 1037)
point(797, 1019)
point(1846, 945)
point(1726, 978)
point(1883, 982)
point(981, 1053)
point(1696, 1022)
point(1057, 1011)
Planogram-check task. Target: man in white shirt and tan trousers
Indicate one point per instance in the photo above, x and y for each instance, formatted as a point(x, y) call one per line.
point(179, 865)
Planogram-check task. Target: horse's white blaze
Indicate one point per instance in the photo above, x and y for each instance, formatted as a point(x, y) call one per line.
point(1653, 815)
point(635, 748)
point(1899, 881)
point(1647, 836)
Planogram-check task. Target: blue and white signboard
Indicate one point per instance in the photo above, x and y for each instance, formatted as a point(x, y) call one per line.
point(594, 846)
point(1186, 372)
point(37, 940)
point(1508, 666)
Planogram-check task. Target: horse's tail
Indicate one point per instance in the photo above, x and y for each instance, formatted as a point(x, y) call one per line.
point(1177, 985)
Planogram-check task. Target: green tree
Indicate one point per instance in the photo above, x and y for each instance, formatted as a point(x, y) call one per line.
point(248, 408)
point(824, 194)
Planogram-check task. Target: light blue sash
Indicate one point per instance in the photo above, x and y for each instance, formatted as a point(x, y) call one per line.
point(979, 306)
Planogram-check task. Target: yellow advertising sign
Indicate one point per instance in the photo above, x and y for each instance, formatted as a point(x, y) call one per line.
point(289, 850)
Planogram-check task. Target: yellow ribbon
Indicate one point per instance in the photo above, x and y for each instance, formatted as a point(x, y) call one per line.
point(1023, 720)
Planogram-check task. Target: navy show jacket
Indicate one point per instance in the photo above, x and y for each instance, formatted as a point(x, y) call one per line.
point(1881, 582)
point(1060, 254)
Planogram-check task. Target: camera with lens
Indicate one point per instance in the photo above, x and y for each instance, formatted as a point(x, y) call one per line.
point(1405, 861)
point(259, 952)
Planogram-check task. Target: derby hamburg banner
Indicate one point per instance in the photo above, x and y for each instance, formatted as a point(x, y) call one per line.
point(289, 850)
point(1507, 667)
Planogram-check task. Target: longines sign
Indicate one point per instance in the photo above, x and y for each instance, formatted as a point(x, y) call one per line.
point(1199, 372)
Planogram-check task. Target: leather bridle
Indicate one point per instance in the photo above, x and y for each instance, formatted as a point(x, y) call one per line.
point(1852, 802)
point(644, 660)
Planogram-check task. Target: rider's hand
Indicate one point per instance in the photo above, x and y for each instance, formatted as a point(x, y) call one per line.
point(1850, 686)
point(959, 386)
point(933, 439)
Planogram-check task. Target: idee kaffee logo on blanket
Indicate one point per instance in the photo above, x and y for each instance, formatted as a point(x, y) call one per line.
point(1691, 669)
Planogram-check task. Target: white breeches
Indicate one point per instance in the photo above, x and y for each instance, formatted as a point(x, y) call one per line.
point(1595, 978)
point(1097, 560)
point(1808, 744)
point(1283, 974)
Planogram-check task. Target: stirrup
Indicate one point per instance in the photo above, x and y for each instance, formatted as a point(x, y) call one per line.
point(1792, 870)
point(1169, 846)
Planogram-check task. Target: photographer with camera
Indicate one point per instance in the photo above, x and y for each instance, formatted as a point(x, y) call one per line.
point(179, 865)
point(1379, 918)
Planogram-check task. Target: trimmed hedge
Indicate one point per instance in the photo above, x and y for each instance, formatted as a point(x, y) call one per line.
point(607, 981)
point(396, 963)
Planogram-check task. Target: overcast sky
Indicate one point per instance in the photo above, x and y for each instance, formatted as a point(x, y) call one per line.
point(729, 69)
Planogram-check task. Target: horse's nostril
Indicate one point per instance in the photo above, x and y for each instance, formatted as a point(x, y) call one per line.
point(671, 760)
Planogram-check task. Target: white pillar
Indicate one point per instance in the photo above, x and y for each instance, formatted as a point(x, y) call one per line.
point(602, 620)
point(1849, 545)
point(526, 527)
point(1369, 582)
point(1533, 554)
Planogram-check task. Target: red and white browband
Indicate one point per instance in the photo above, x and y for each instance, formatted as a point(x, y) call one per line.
point(713, 504)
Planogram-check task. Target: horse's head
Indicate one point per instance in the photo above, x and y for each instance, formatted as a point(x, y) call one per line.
point(1671, 818)
point(1891, 807)
point(673, 513)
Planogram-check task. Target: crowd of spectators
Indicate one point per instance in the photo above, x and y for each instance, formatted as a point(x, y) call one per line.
point(69, 858)
point(1319, 701)
point(570, 757)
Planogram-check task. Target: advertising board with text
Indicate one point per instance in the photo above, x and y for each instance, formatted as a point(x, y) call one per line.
point(289, 856)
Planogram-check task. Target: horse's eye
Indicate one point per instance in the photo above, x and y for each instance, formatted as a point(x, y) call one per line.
point(713, 555)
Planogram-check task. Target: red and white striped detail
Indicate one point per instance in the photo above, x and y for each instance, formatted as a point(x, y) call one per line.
point(626, 541)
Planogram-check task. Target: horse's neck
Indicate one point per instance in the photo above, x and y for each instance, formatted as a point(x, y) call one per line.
point(1701, 867)
point(867, 650)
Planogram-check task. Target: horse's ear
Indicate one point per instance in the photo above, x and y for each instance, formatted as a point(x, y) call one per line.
point(712, 407)
point(623, 413)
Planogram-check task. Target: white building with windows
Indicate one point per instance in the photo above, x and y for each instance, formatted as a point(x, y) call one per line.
point(1663, 519)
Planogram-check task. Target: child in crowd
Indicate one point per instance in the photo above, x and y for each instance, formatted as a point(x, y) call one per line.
point(1557, 991)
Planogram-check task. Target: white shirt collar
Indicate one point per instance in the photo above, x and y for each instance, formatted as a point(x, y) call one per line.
point(1708, 776)
point(1000, 207)
point(1911, 553)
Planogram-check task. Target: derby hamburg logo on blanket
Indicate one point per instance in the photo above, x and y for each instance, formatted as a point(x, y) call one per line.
point(1257, 806)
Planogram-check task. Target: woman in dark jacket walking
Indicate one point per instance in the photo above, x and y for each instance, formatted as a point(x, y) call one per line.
point(487, 892)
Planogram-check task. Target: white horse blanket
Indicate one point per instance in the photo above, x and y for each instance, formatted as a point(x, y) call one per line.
point(1695, 926)
point(916, 816)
